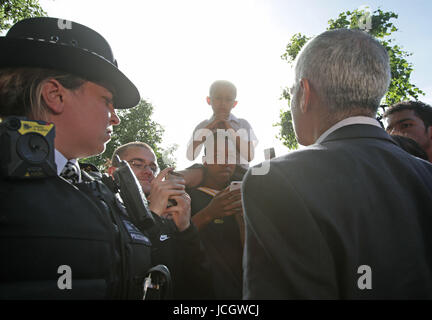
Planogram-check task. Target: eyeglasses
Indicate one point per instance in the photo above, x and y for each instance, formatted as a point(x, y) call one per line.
point(140, 165)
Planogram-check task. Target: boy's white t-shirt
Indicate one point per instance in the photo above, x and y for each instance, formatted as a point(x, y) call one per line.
point(241, 126)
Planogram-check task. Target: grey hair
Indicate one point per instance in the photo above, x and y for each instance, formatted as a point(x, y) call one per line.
point(349, 69)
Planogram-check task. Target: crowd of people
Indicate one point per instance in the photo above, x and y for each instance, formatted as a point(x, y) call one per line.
point(346, 217)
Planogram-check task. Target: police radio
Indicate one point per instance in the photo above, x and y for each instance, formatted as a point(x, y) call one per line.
point(132, 195)
point(26, 148)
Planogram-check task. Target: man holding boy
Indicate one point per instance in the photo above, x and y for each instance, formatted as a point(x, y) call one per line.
point(222, 99)
point(218, 215)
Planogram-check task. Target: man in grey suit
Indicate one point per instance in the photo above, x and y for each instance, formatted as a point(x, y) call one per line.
point(349, 216)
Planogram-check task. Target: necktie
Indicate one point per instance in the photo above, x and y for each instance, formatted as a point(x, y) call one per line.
point(70, 173)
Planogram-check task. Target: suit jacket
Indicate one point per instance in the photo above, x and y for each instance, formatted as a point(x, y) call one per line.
point(323, 213)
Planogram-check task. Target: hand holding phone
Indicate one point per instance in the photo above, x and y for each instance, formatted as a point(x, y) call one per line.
point(235, 185)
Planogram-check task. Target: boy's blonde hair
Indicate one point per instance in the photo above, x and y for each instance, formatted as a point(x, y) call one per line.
point(222, 83)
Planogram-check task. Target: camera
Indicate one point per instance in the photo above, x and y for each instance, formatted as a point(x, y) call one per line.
point(27, 148)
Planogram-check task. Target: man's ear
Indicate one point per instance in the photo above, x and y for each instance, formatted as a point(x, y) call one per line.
point(306, 95)
point(208, 101)
point(53, 94)
point(429, 132)
point(235, 103)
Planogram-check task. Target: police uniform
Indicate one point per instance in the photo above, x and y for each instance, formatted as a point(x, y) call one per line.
point(49, 223)
point(60, 240)
point(77, 240)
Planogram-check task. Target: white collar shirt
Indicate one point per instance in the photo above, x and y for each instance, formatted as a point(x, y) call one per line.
point(61, 161)
point(347, 122)
point(246, 133)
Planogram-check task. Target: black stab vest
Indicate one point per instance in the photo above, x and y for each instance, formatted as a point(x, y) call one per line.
point(47, 223)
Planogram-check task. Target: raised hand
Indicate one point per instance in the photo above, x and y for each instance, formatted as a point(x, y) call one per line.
point(161, 190)
point(181, 213)
point(225, 203)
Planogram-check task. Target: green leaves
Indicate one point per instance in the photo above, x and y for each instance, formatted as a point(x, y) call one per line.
point(11, 11)
point(287, 135)
point(382, 27)
point(293, 47)
point(135, 125)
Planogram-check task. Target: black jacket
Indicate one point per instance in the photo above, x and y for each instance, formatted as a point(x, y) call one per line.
point(48, 223)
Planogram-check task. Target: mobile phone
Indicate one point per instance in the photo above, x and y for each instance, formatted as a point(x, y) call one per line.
point(235, 185)
point(171, 203)
point(172, 175)
point(176, 174)
point(269, 153)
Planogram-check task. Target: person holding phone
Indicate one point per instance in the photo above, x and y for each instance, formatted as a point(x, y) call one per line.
point(181, 249)
point(218, 215)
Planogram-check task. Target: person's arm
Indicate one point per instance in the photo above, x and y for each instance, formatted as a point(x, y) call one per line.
point(241, 140)
point(224, 204)
point(192, 270)
point(193, 148)
point(286, 256)
point(180, 213)
point(199, 136)
point(193, 176)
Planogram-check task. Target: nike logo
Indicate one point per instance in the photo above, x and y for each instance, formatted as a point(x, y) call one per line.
point(163, 237)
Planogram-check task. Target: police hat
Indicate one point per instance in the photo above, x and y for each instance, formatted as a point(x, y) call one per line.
point(67, 46)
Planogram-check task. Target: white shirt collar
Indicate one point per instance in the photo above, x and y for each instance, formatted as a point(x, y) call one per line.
point(233, 118)
point(347, 122)
point(61, 161)
point(230, 118)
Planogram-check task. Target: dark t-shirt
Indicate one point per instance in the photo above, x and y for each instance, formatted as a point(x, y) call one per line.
point(221, 240)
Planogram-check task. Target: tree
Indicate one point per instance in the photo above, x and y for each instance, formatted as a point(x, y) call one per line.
point(135, 125)
point(12, 11)
point(381, 28)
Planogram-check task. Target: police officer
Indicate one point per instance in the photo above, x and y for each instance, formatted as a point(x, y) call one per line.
point(65, 235)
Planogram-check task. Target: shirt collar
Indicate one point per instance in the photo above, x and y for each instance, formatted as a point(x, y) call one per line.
point(61, 161)
point(230, 118)
point(347, 122)
point(233, 118)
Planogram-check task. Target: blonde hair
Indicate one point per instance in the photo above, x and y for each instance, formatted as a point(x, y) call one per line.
point(120, 151)
point(222, 84)
point(21, 90)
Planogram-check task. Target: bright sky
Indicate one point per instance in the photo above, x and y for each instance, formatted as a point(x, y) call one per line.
point(173, 50)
